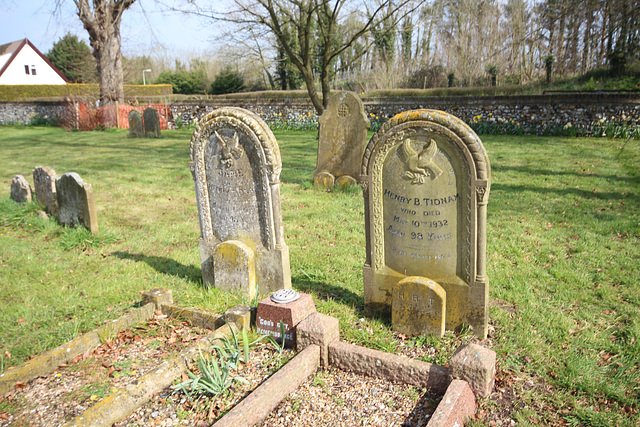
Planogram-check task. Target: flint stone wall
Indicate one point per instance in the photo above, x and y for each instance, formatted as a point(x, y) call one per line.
point(534, 112)
point(22, 113)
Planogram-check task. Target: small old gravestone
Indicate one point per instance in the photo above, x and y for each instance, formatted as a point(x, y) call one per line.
point(418, 307)
point(44, 182)
point(425, 179)
point(235, 162)
point(342, 139)
point(75, 199)
point(135, 124)
point(20, 189)
point(151, 121)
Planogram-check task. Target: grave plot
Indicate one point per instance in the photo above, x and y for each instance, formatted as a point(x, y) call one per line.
point(174, 407)
point(104, 385)
point(340, 398)
point(78, 385)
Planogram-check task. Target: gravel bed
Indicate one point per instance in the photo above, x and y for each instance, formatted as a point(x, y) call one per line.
point(340, 398)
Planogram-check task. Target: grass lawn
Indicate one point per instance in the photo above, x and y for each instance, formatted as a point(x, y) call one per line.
point(563, 258)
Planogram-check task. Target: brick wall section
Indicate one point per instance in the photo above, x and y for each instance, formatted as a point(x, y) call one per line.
point(534, 113)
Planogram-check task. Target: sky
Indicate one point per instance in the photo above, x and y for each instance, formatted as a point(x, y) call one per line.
point(144, 28)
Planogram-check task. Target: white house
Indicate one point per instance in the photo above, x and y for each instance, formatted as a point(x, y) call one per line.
point(21, 63)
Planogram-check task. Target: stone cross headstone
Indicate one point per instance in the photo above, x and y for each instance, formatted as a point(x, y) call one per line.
point(235, 162)
point(44, 182)
point(20, 189)
point(425, 179)
point(151, 121)
point(342, 140)
point(75, 199)
point(135, 124)
point(418, 307)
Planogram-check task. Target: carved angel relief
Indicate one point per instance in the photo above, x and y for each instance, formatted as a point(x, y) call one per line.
point(229, 149)
point(418, 166)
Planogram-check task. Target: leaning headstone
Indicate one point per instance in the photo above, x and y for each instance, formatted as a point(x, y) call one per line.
point(425, 179)
point(20, 189)
point(235, 162)
point(151, 121)
point(418, 307)
point(135, 124)
point(75, 199)
point(44, 182)
point(342, 140)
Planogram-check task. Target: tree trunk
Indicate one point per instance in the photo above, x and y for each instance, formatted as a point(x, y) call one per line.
point(109, 58)
point(103, 25)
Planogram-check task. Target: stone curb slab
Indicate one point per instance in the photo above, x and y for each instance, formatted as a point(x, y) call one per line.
point(256, 407)
point(457, 405)
point(50, 360)
point(378, 364)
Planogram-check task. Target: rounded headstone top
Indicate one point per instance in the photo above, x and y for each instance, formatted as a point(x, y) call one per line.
point(284, 296)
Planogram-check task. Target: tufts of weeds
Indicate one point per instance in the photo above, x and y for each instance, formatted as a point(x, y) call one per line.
point(215, 376)
point(14, 214)
point(81, 238)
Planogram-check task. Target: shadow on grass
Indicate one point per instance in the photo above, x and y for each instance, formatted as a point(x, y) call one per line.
point(305, 282)
point(563, 192)
point(165, 266)
point(556, 173)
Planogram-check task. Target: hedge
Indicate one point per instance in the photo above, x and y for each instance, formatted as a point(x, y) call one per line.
point(12, 93)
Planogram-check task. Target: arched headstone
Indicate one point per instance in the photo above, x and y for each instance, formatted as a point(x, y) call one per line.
point(341, 142)
point(235, 162)
point(135, 124)
point(425, 179)
point(151, 122)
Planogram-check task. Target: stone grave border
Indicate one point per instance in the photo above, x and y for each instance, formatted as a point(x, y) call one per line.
point(470, 374)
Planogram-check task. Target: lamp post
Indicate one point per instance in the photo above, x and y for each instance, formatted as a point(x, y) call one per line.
point(144, 81)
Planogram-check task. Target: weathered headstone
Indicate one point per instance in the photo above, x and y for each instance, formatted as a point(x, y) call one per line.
point(135, 124)
point(44, 182)
point(425, 179)
point(235, 162)
point(151, 122)
point(75, 199)
point(418, 307)
point(288, 307)
point(235, 268)
point(20, 189)
point(342, 140)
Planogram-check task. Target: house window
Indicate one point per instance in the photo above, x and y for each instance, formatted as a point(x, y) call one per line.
point(33, 70)
point(26, 69)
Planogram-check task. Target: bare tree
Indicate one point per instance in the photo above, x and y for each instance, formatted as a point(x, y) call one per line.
point(102, 21)
point(315, 24)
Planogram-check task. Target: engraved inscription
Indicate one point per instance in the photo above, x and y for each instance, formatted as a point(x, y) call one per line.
point(420, 215)
point(234, 201)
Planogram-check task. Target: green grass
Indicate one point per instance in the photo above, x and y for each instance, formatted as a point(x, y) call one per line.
point(563, 256)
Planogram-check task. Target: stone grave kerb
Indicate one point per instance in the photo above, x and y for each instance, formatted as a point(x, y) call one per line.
point(223, 141)
point(407, 137)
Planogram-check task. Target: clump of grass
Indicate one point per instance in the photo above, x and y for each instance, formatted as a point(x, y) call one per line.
point(83, 239)
point(14, 214)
